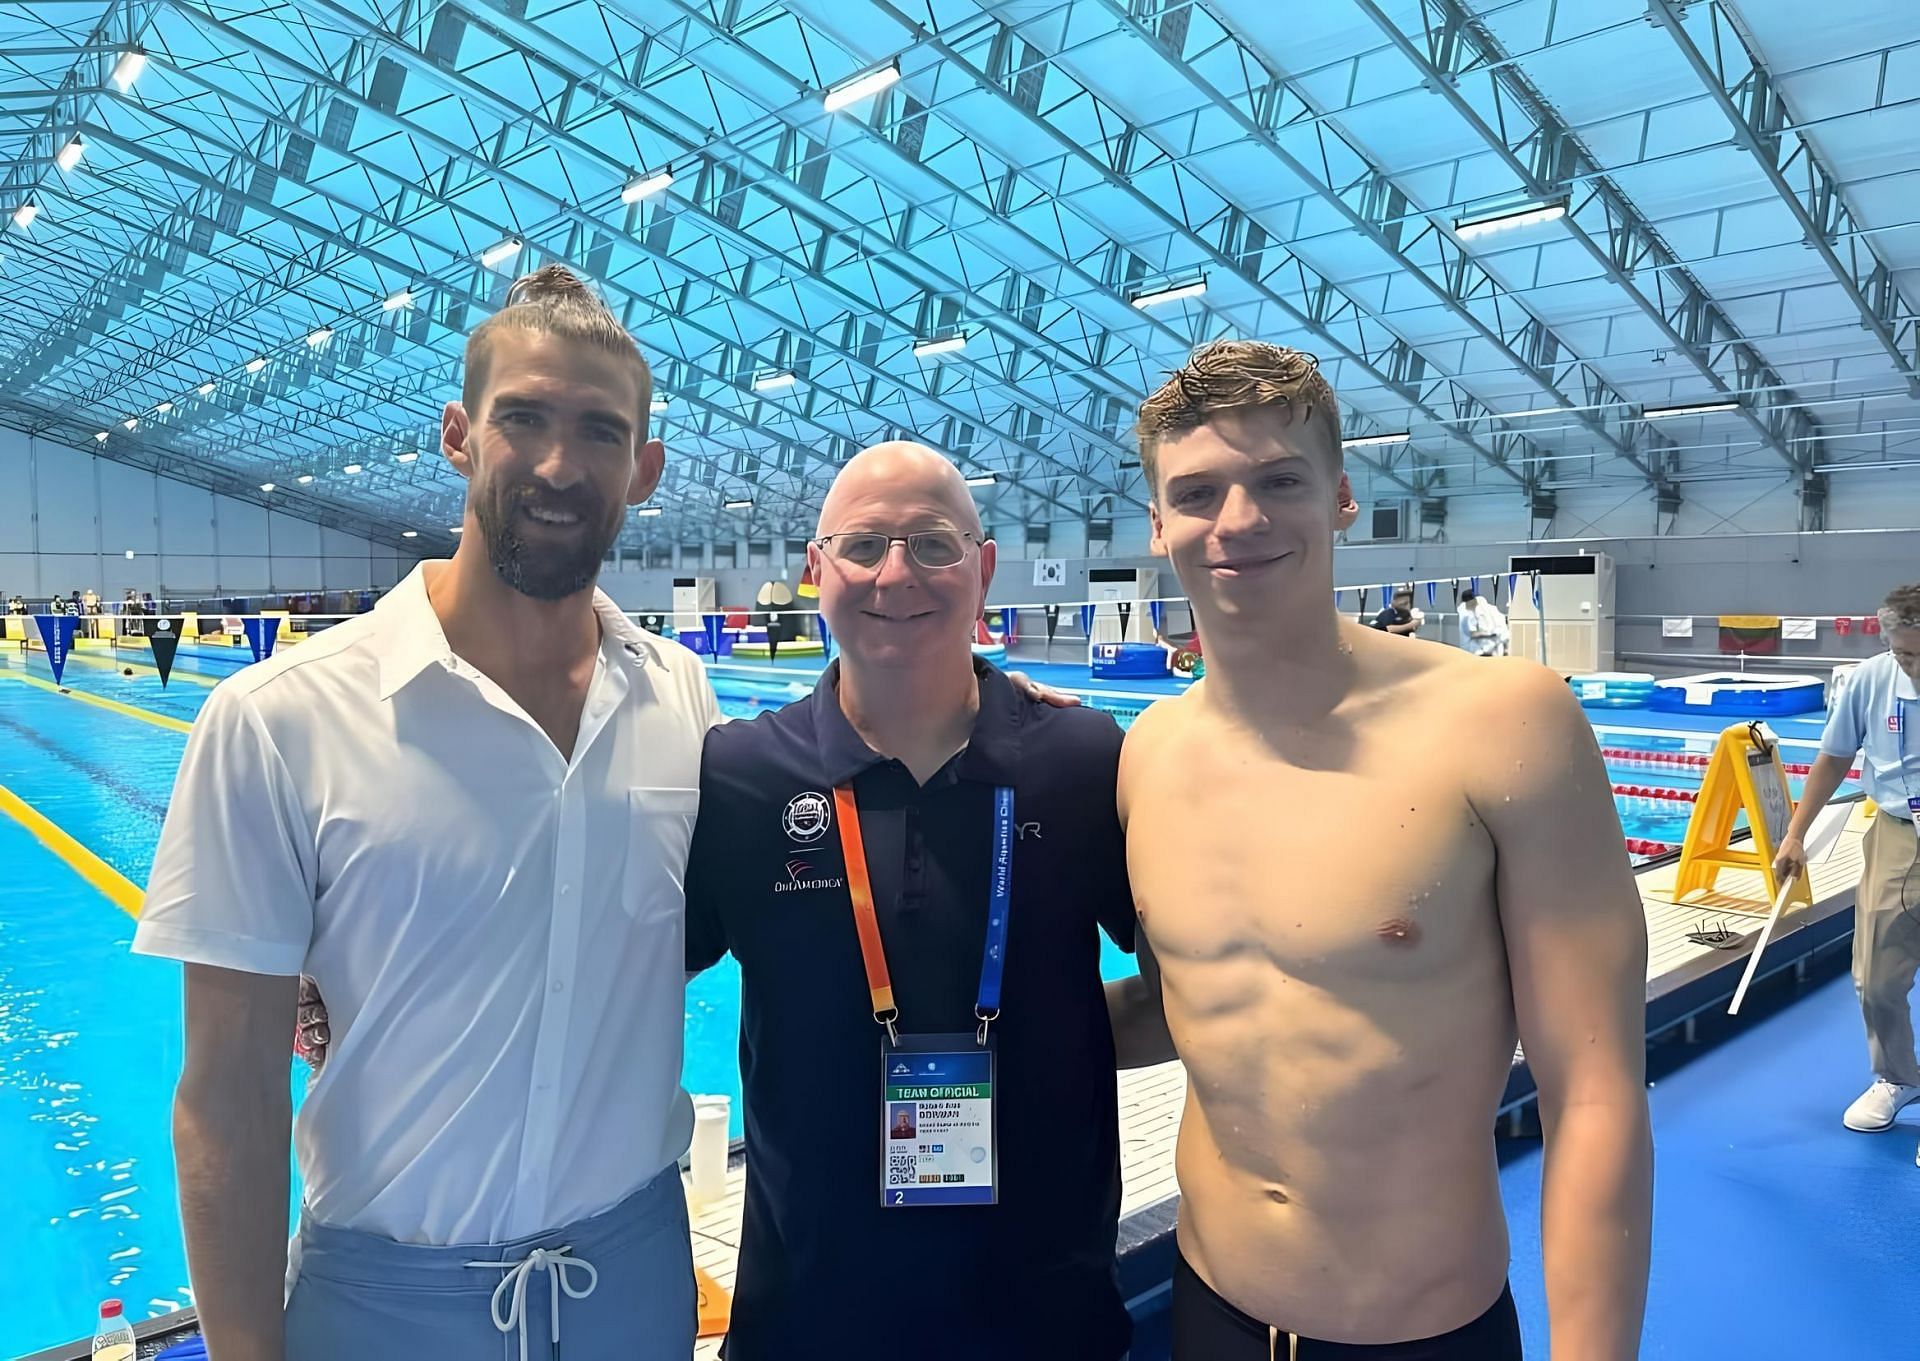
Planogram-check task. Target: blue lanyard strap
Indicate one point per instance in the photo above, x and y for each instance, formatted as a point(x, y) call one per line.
point(993, 961)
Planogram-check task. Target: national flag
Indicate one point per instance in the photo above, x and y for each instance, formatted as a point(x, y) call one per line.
point(1752, 635)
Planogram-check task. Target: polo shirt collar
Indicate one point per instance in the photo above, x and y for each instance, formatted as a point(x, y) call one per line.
point(992, 755)
point(411, 639)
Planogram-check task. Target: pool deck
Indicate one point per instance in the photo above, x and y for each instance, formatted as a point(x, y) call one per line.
point(1684, 979)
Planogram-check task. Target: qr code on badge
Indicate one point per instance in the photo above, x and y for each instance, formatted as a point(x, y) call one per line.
point(901, 1170)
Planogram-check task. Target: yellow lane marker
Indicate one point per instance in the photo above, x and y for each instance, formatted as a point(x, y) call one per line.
point(111, 705)
point(118, 889)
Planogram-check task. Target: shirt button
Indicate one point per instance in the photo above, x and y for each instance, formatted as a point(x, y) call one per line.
point(558, 986)
point(565, 889)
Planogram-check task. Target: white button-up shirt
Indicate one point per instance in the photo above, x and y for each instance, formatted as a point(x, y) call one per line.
point(498, 931)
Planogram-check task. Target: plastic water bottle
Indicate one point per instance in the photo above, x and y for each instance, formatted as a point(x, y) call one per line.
point(113, 1338)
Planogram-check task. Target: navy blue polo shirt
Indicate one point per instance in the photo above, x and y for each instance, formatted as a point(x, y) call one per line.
point(826, 1271)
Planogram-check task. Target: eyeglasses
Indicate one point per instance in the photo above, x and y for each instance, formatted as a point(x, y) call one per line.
point(933, 549)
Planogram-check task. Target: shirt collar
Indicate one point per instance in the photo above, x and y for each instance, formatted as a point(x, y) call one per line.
point(412, 640)
point(410, 634)
point(993, 748)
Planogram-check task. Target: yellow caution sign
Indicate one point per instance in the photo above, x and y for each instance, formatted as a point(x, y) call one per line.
point(716, 1305)
point(1744, 776)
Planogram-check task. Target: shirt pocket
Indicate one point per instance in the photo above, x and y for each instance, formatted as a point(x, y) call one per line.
point(660, 829)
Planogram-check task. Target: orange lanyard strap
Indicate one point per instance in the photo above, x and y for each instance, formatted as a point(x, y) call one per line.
point(866, 924)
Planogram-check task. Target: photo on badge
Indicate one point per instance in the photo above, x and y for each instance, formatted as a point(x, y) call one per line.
point(902, 1120)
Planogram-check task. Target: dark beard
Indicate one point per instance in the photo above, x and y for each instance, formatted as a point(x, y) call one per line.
point(546, 571)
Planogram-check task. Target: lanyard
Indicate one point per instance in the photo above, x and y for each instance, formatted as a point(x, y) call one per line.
point(873, 952)
point(1898, 722)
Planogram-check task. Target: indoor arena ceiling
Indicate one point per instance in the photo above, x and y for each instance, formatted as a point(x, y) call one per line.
point(242, 243)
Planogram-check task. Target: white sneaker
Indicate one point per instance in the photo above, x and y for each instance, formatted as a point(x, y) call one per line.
point(1877, 1106)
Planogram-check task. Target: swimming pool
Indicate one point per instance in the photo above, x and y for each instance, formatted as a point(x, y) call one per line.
point(90, 1040)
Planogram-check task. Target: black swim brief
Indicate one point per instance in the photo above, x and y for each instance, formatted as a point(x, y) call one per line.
point(1207, 1328)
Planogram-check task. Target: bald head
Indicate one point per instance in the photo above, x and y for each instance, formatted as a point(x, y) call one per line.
point(895, 612)
point(885, 487)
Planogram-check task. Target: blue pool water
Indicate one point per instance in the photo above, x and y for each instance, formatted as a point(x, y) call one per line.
point(90, 1041)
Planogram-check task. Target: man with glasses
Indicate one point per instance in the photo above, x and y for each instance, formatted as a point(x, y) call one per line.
point(1873, 723)
point(912, 868)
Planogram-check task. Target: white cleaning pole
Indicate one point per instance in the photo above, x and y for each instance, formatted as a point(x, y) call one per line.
point(1823, 833)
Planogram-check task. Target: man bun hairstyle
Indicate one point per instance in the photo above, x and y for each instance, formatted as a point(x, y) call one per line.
point(556, 301)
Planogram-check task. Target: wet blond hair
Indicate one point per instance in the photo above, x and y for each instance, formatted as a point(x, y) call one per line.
point(1226, 375)
point(556, 301)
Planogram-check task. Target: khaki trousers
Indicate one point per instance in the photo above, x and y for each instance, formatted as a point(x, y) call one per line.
point(1886, 945)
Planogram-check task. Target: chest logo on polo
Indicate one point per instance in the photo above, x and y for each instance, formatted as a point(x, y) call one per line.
point(800, 876)
point(807, 817)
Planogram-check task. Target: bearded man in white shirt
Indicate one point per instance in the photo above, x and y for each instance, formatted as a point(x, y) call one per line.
point(466, 815)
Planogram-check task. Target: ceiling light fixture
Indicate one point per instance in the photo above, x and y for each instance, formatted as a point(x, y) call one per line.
point(983, 479)
point(206, 387)
point(318, 337)
point(645, 186)
point(395, 301)
point(1865, 467)
point(1661, 413)
point(1365, 441)
point(409, 533)
point(501, 252)
point(1173, 293)
point(257, 363)
point(101, 436)
point(351, 469)
point(648, 511)
point(736, 505)
point(861, 86)
point(163, 408)
point(24, 215)
point(1513, 215)
point(127, 70)
point(266, 486)
point(927, 349)
point(69, 155)
point(407, 457)
point(304, 478)
point(767, 382)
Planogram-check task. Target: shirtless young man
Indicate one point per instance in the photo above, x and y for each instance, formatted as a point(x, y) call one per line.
point(1347, 1017)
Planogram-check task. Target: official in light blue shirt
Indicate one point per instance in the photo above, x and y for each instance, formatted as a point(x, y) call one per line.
point(1874, 719)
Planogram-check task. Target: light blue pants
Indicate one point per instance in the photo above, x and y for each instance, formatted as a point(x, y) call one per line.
point(616, 1287)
